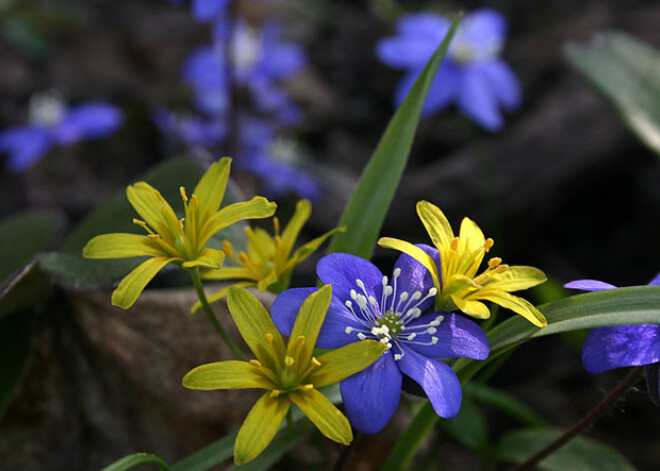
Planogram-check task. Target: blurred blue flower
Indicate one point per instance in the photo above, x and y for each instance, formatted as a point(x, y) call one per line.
point(366, 305)
point(51, 124)
point(472, 75)
point(208, 10)
point(607, 348)
point(192, 130)
point(260, 62)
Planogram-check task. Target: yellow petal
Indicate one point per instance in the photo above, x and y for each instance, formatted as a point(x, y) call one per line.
point(255, 324)
point(518, 305)
point(471, 308)
point(327, 418)
point(343, 362)
point(472, 235)
point(295, 225)
point(211, 187)
point(436, 224)
point(516, 278)
point(308, 323)
point(257, 208)
point(227, 375)
point(121, 246)
point(261, 246)
point(309, 248)
point(146, 202)
point(209, 258)
point(228, 273)
point(415, 252)
point(134, 283)
point(218, 295)
point(269, 279)
point(260, 426)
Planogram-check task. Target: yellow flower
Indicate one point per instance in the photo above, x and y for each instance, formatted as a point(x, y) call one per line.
point(173, 240)
point(457, 282)
point(290, 374)
point(268, 262)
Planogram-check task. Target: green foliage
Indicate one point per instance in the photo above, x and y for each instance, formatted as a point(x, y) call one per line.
point(365, 212)
point(580, 453)
point(131, 461)
point(627, 72)
point(469, 427)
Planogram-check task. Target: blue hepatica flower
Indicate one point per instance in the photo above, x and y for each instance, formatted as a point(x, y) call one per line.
point(208, 10)
point(472, 75)
point(51, 124)
point(607, 348)
point(368, 305)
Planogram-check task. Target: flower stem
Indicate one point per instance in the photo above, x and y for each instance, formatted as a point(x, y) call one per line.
point(587, 420)
point(345, 455)
point(197, 283)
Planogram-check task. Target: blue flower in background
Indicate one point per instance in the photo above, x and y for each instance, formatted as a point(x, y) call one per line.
point(472, 75)
point(365, 304)
point(52, 124)
point(193, 130)
point(208, 10)
point(607, 348)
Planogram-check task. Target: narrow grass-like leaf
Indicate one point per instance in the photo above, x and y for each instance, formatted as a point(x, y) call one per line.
point(580, 453)
point(365, 212)
point(627, 72)
point(623, 306)
point(136, 459)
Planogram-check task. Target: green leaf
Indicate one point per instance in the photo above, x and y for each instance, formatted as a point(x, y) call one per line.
point(278, 448)
point(22, 236)
point(627, 72)
point(580, 453)
point(136, 459)
point(365, 212)
point(469, 427)
point(622, 306)
point(15, 346)
point(208, 457)
point(504, 402)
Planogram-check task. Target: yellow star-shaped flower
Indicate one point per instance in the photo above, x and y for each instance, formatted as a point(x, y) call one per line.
point(456, 279)
point(290, 373)
point(170, 240)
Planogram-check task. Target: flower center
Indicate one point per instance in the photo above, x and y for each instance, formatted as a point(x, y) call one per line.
point(246, 48)
point(46, 109)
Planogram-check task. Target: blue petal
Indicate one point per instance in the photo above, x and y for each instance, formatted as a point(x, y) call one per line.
point(208, 10)
point(438, 380)
point(589, 285)
point(406, 52)
point(503, 82)
point(457, 337)
point(423, 24)
point(25, 146)
point(341, 270)
point(655, 281)
point(204, 68)
point(443, 90)
point(483, 29)
point(283, 60)
point(415, 277)
point(89, 121)
point(372, 395)
point(333, 331)
point(606, 348)
point(477, 100)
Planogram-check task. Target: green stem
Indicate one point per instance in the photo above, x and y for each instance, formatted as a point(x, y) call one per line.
point(289, 419)
point(197, 283)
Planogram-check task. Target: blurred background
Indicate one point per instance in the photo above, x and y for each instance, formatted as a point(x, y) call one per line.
point(563, 186)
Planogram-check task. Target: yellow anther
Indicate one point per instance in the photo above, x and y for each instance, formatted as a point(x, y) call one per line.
point(488, 244)
point(227, 248)
point(278, 240)
point(307, 387)
point(269, 338)
point(182, 191)
point(256, 363)
point(243, 258)
point(315, 362)
point(501, 268)
point(139, 223)
point(300, 340)
point(289, 361)
point(274, 393)
point(482, 279)
point(153, 236)
point(194, 201)
point(181, 224)
point(276, 226)
point(494, 262)
point(454, 243)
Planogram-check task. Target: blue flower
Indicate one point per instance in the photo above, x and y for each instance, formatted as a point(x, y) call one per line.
point(472, 75)
point(607, 348)
point(367, 305)
point(194, 131)
point(52, 124)
point(208, 10)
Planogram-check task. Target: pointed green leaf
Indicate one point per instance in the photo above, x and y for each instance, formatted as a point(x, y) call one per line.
point(365, 212)
point(627, 72)
point(580, 453)
point(137, 459)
